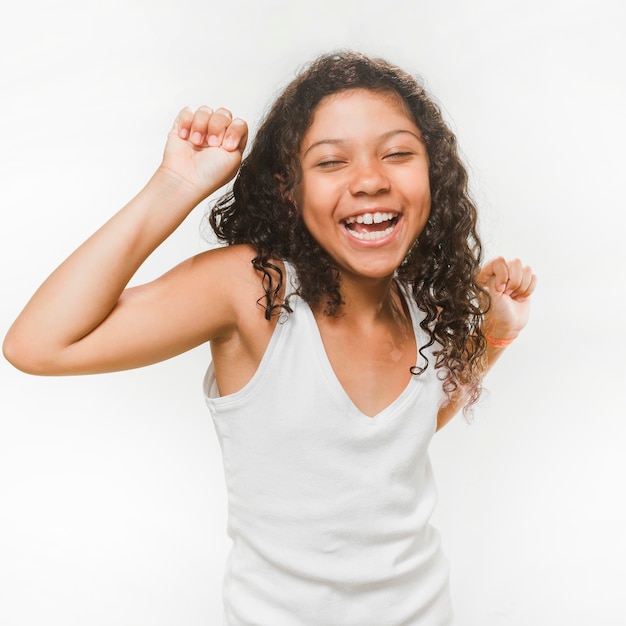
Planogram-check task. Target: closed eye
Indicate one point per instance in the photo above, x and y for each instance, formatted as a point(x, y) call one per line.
point(329, 164)
point(399, 155)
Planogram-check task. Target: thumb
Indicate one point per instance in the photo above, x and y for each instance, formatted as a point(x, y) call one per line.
point(494, 275)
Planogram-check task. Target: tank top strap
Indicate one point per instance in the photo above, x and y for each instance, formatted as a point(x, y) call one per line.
point(291, 278)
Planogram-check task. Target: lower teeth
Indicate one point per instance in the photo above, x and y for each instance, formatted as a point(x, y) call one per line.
point(373, 235)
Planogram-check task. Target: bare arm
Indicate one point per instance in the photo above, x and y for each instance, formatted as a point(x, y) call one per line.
point(82, 319)
point(510, 285)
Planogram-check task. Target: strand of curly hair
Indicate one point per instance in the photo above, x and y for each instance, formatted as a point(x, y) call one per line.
point(441, 268)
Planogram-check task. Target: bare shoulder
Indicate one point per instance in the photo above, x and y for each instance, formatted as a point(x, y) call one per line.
point(227, 274)
point(238, 349)
point(207, 290)
point(226, 281)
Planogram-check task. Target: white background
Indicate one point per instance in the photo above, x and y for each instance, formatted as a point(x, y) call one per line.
point(112, 505)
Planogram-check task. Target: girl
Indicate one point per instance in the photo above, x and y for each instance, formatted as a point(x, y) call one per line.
point(348, 317)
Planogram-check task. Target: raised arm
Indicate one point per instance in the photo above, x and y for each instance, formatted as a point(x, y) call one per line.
point(83, 319)
point(510, 285)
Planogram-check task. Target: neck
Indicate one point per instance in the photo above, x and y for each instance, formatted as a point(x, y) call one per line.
point(368, 300)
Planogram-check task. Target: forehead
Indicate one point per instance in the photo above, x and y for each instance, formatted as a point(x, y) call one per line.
point(359, 111)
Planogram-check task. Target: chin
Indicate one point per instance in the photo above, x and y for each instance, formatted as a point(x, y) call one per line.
point(374, 271)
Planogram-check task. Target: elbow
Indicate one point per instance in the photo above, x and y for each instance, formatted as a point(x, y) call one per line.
point(23, 357)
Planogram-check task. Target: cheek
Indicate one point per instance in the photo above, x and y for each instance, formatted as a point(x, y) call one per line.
point(315, 221)
point(421, 183)
point(305, 202)
point(304, 209)
point(310, 206)
point(423, 198)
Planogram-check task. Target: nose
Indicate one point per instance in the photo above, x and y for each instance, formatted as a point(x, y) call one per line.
point(368, 178)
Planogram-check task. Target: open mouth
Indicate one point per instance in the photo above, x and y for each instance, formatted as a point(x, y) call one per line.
point(371, 226)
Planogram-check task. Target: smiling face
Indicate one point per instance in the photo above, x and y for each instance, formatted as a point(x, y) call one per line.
point(364, 193)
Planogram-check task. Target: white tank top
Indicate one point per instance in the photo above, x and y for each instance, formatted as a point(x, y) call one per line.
point(328, 509)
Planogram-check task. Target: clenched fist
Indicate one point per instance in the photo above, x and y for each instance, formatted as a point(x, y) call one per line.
point(204, 148)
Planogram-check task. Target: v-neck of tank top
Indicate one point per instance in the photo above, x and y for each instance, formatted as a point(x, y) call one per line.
point(333, 379)
point(279, 335)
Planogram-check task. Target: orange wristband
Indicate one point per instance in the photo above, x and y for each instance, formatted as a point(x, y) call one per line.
point(495, 342)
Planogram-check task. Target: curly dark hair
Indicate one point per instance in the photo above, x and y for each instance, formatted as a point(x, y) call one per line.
point(440, 270)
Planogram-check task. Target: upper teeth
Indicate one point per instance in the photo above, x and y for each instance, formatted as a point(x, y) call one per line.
point(370, 218)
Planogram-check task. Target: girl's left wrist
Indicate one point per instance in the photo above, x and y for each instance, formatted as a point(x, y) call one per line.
point(500, 340)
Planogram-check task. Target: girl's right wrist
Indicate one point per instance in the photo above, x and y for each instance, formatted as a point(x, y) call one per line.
point(170, 184)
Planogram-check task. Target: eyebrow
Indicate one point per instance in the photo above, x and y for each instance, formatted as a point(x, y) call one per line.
point(340, 142)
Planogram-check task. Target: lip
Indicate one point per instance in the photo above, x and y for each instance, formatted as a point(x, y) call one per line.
point(378, 241)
